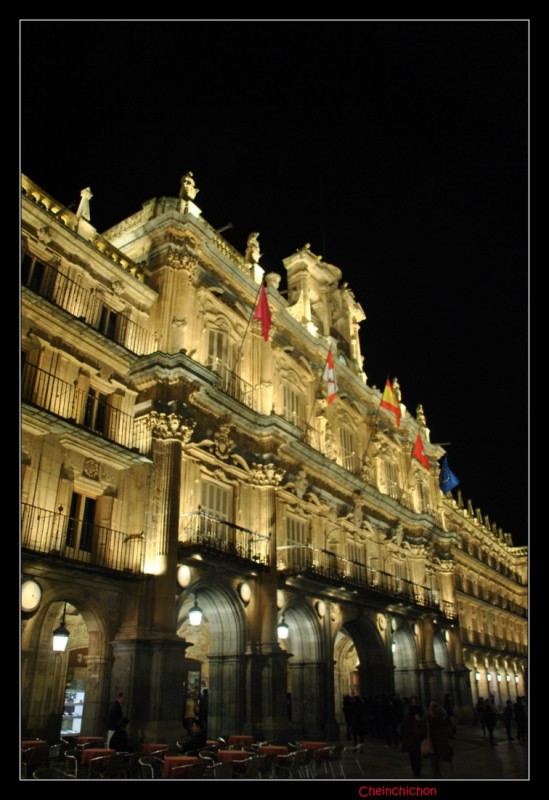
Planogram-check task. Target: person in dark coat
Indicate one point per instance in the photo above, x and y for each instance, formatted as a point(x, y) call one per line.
point(357, 719)
point(490, 720)
point(116, 713)
point(197, 741)
point(507, 719)
point(347, 703)
point(438, 731)
point(520, 719)
point(119, 740)
point(480, 714)
point(414, 730)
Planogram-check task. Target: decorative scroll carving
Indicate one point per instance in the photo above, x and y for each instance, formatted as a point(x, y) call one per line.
point(223, 444)
point(171, 426)
point(300, 485)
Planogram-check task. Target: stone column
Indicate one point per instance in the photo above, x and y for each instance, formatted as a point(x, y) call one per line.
point(266, 672)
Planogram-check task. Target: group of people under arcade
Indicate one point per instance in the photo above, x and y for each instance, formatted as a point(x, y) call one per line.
point(404, 723)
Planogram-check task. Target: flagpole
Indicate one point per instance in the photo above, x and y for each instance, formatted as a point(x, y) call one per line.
point(247, 329)
point(376, 421)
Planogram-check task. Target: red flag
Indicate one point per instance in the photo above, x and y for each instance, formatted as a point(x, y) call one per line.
point(263, 313)
point(330, 378)
point(419, 453)
point(390, 402)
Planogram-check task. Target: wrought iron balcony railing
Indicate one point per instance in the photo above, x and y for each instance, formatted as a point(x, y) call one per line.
point(206, 533)
point(86, 305)
point(314, 562)
point(57, 534)
point(232, 384)
point(84, 408)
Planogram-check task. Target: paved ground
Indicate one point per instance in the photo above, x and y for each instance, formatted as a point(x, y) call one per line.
point(474, 758)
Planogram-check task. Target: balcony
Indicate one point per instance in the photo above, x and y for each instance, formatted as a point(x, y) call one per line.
point(83, 408)
point(70, 539)
point(86, 305)
point(230, 383)
point(314, 563)
point(204, 534)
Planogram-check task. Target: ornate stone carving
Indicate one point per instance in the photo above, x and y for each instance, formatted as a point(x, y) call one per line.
point(180, 260)
point(171, 426)
point(223, 444)
point(179, 322)
point(266, 474)
point(117, 287)
point(44, 235)
point(300, 485)
point(272, 279)
point(90, 469)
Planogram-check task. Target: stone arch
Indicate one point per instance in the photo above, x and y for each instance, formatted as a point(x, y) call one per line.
point(373, 675)
point(405, 659)
point(307, 671)
point(221, 637)
point(48, 673)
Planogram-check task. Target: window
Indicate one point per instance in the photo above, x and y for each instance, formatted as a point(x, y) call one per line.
point(80, 527)
point(296, 537)
point(291, 410)
point(95, 411)
point(349, 458)
point(218, 351)
point(215, 503)
point(392, 479)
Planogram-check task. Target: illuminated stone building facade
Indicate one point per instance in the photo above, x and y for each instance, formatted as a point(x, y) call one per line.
point(176, 453)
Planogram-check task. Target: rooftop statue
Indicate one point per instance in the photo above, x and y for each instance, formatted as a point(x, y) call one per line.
point(188, 190)
point(252, 254)
point(84, 206)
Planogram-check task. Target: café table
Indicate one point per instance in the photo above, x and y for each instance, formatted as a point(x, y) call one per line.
point(232, 755)
point(150, 748)
point(177, 761)
point(26, 743)
point(272, 750)
point(92, 752)
point(81, 741)
point(240, 740)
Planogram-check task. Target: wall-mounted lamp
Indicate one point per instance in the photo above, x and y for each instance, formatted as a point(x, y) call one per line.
point(282, 629)
point(195, 613)
point(507, 678)
point(516, 679)
point(245, 592)
point(477, 676)
point(393, 646)
point(320, 608)
point(61, 634)
point(488, 676)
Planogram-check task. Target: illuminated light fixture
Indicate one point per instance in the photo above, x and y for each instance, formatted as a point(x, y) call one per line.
point(61, 634)
point(393, 624)
point(447, 635)
point(488, 676)
point(507, 678)
point(416, 628)
point(195, 613)
point(279, 598)
point(245, 592)
point(321, 608)
point(282, 629)
point(477, 676)
point(498, 676)
point(516, 678)
point(393, 646)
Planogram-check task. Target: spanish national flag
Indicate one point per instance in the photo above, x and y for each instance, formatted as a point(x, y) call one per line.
point(390, 402)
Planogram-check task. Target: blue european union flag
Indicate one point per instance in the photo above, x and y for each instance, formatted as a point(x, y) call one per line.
point(448, 480)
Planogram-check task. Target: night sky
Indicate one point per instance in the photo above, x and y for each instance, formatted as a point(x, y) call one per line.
point(398, 150)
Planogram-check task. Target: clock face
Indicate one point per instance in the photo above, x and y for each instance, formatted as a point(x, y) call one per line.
point(31, 594)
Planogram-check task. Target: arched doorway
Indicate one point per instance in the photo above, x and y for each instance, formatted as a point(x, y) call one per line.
point(217, 654)
point(405, 660)
point(361, 664)
point(306, 676)
point(64, 692)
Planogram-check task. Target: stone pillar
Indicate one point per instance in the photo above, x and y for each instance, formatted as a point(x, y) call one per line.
point(266, 668)
point(96, 700)
point(429, 678)
point(227, 703)
point(151, 673)
point(331, 726)
point(308, 698)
